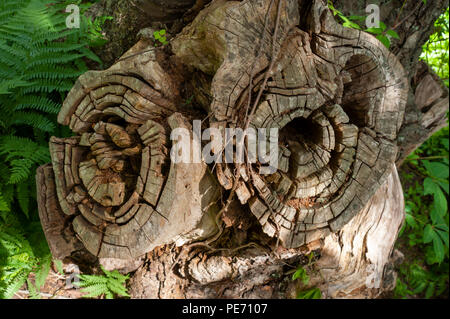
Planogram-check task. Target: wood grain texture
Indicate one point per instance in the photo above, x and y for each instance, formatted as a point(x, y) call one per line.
point(61, 239)
point(357, 262)
point(373, 231)
point(113, 181)
point(337, 96)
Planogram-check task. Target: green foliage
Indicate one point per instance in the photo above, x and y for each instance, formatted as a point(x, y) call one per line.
point(436, 50)
point(32, 290)
point(313, 293)
point(40, 59)
point(160, 36)
point(59, 266)
point(417, 280)
point(427, 173)
point(382, 33)
point(302, 276)
point(427, 219)
point(17, 257)
point(110, 285)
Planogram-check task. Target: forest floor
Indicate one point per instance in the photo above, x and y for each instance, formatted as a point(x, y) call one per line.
point(57, 286)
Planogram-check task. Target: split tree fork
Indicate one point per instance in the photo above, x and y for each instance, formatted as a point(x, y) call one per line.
point(347, 111)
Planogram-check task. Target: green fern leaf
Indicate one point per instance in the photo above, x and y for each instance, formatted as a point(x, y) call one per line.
point(94, 290)
point(44, 269)
point(14, 285)
point(4, 207)
point(23, 197)
point(33, 119)
point(38, 103)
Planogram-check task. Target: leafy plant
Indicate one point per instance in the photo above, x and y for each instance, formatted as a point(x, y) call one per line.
point(436, 50)
point(427, 219)
point(18, 258)
point(302, 276)
point(417, 280)
point(313, 293)
point(109, 285)
point(59, 266)
point(382, 33)
point(40, 59)
point(160, 36)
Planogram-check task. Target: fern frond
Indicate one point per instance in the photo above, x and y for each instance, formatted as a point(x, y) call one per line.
point(50, 36)
point(7, 190)
point(39, 61)
point(117, 275)
point(118, 288)
point(4, 207)
point(42, 273)
point(38, 103)
point(47, 86)
point(50, 59)
point(32, 289)
point(22, 154)
point(20, 170)
point(17, 38)
point(55, 73)
point(95, 290)
point(110, 284)
point(33, 119)
point(14, 285)
point(55, 47)
point(88, 280)
point(11, 57)
point(7, 86)
point(23, 197)
point(16, 255)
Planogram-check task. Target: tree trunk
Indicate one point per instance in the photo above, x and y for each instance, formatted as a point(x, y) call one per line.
point(346, 111)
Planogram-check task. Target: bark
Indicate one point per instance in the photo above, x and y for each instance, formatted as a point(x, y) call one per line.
point(340, 100)
point(427, 97)
point(129, 17)
point(340, 272)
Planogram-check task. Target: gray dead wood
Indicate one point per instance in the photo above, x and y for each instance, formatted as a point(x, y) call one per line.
point(342, 104)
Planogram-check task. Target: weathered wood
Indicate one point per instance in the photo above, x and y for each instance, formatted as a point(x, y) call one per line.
point(130, 17)
point(61, 239)
point(347, 89)
point(337, 96)
point(414, 23)
point(115, 178)
point(342, 271)
point(350, 274)
point(426, 111)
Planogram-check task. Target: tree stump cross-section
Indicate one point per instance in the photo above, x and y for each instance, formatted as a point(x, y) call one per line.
point(336, 95)
point(114, 181)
